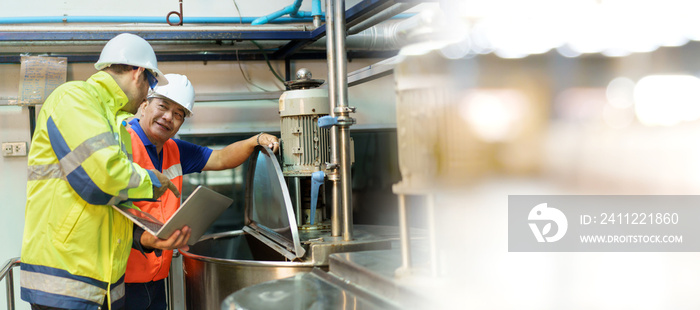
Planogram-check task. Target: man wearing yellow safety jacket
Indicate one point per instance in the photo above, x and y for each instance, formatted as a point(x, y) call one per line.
point(154, 148)
point(75, 246)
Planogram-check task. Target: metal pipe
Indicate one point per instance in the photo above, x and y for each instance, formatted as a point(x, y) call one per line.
point(169, 289)
point(380, 17)
point(404, 236)
point(297, 200)
point(346, 182)
point(336, 214)
point(389, 35)
point(317, 21)
point(10, 290)
point(338, 32)
point(154, 28)
point(139, 19)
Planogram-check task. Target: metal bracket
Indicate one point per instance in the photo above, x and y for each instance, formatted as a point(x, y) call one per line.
point(343, 110)
point(345, 121)
point(331, 166)
point(332, 171)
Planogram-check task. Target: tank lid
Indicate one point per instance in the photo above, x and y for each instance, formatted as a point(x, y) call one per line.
point(269, 214)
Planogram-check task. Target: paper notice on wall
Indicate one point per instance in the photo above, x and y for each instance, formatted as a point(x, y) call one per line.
point(39, 76)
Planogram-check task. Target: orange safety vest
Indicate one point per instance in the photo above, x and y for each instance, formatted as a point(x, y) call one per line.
point(140, 269)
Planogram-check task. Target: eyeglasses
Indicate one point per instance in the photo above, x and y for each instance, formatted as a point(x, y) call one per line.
point(152, 81)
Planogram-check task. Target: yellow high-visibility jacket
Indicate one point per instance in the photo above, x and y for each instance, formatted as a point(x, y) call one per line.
point(75, 245)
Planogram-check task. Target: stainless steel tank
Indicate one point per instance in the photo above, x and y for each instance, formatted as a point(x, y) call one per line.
point(223, 263)
point(267, 248)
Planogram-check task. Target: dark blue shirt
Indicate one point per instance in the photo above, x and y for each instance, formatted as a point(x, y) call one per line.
point(193, 157)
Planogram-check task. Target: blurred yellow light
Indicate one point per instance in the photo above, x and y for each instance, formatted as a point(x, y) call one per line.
point(494, 115)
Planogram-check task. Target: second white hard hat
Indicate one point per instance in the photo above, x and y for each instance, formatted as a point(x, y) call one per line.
point(179, 90)
point(130, 49)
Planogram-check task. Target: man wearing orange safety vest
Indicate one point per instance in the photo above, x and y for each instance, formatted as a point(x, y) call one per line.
point(154, 148)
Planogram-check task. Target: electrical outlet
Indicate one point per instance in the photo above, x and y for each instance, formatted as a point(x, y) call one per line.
point(14, 149)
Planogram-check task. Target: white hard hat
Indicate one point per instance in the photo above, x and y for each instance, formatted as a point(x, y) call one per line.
point(179, 90)
point(130, 49)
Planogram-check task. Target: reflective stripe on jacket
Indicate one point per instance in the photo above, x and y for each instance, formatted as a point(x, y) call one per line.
point(140, 268)
point(75, 246)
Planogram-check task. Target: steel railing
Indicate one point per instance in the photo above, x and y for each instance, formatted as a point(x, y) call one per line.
point(14, 262)
point(9, 282)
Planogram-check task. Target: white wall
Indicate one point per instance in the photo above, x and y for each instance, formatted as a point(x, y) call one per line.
point(14, 126)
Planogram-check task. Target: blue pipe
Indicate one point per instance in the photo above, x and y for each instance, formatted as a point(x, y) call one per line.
point(142, 19)
point(290, 9)
point(316, 8)
point(301, 14)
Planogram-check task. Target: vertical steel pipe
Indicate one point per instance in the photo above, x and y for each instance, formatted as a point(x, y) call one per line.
point(336, 222)
point(297, 201)
point(346, 183)
point(10, 281)
point(341, 85)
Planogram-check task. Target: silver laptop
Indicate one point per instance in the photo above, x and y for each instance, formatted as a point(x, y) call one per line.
point(199, 211)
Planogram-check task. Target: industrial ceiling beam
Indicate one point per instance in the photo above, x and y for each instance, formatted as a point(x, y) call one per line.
point(175, 57)
point(353, 16)
point(298, 37)
point(105, 34)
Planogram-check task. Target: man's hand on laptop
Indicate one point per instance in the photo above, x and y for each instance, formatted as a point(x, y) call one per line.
point(178, 240)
